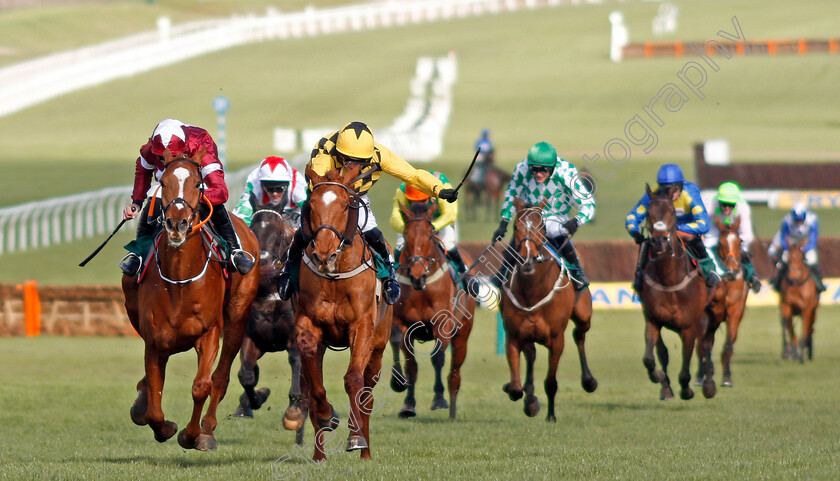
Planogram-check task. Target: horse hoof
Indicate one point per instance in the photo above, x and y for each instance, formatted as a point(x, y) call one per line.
point(657, 376)
point(293, 418)
point(356, 442)
point(169, 430)
point(532, 406)
point(138, 412)
point(439, 403)
point(686, 394)
point(698, 381)
point(398, 383)
point(186, 442)
point(666, 394)
point(206, 442)
point(329, 424)
point(243, 412)
point(727, 382)
point(551, 418)
point(407, 411)
point(709, 390)
point(262, 396)
point(513, 395)
point(590, 384)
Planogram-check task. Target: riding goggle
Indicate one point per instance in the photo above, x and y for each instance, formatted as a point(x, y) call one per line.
point(275, 189)
point(346, 159)
point(539, 169)
point(727, 204)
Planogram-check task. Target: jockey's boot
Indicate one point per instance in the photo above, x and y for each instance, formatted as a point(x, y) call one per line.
point(641, 263)
point(461, 269)
point(242, 261)
point(816, 274)
point(781, 270)
point(567, 250)
point(707, 269)
point(293, 255)
point(132, 263)
point(511, 259)
point(376, 241)
point(749, 272)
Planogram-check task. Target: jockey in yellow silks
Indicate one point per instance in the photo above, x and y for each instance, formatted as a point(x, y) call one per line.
point(354, 144)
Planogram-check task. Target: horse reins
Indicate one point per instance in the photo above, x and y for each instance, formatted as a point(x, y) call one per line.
point(350, 230)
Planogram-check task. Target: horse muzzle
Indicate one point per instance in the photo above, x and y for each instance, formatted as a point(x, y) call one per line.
point(324, 262)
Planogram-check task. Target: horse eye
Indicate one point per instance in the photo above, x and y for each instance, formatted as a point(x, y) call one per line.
point(198, 185)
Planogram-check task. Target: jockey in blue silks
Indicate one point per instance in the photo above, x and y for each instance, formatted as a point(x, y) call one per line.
point(692, 219)
point(799, 224)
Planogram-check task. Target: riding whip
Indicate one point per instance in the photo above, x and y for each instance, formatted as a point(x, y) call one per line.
point(93, 254)
point(468, 170)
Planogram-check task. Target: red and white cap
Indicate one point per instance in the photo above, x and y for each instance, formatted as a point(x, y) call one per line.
point(274, 169)
point(169, 134)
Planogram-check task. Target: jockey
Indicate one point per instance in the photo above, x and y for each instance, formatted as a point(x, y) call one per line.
point(727, 206)
point(799, 224)
point(175, 137)
point(354, 144)
point(544, 175)
point(443, 223)
point(486, 155)
point(274, 184)
point(692, 219)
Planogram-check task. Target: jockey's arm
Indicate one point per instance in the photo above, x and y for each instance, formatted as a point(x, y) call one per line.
point(420, 179)
point(812, 237)
point(699, 224)
point(784, 232)
point(745, 230)
point(397, 221)
point(448, 212)
point(579, 193)
point(299, 194)
point(513, 191)
point(637, 215)
point(143, 172)
point(244, 208)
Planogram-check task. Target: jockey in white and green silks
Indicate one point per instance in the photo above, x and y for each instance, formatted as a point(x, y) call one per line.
point(545, 176)
point(273, 184)
point(728, 206)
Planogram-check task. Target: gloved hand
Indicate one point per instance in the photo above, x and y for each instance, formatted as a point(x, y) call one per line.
point(449, 195)
point(131, 211)
point(500, 232)
point(637, 236)
point(571, 226)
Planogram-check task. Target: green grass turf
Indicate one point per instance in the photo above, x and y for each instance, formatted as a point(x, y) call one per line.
point(529, 76)
point(64, 415)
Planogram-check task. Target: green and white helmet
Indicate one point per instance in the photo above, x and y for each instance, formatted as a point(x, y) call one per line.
point(729, 193)
point(542, 154)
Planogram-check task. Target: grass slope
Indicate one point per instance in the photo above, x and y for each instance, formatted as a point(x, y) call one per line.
point(64, 415)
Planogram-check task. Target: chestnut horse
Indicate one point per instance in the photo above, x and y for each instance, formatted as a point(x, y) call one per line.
point(431, 308)
point(183, 303)
point(539, 300)
point(727, 303)
point(272, 321)
point(338, 306)
point(798, 296)
point(673, 296)
point(486, 194)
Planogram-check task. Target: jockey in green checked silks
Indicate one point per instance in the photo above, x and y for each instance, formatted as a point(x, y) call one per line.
point(443, 222)
point(545, 176)
point(692, 219)
point(354, 144)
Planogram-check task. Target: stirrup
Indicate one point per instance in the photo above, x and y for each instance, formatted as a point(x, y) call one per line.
point(755, 284)
point(284, 281)
point(130, 264)
point(242, 261)
point(392, 290)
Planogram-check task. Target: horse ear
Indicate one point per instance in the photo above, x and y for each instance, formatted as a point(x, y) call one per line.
point(430, 213)
point(406, 212)
point(801, 243)
point(647, 190)
point(312, 176)
point(542, 203)
point(736, 224)
point(518, 203)
point(348, 173)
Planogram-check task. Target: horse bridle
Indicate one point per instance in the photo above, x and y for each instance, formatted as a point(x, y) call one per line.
point(654, 255)
point(538, 245)
point(426, 261)
point(181, 200)
point(345, 238)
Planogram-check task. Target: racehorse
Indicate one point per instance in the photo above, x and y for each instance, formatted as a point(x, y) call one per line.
point(182, 302)
point(673, 296)
point(486, 192)
point(339, 306)
point(272, 321)
point(431, 308)
point(798, 296)
point(537, 304)
point(727, 303)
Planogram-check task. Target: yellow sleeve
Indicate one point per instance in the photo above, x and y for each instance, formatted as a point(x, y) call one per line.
point(397, 221)
point(420, 179)
point(448, 212)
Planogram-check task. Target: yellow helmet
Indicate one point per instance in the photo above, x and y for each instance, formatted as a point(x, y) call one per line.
point(355, 140)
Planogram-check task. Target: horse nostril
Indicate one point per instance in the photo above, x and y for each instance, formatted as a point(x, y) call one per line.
point(316, 258)
point(332, 258)
point(182, 225)
point(169, 225)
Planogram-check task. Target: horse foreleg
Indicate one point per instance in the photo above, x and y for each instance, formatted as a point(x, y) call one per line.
point(438, 360)
point(555, 350)
point(651, 340)
point(323, 416)
point(805, 342)
point(459, 355)
point(689, 337)
point(733, 321)
point(155, 374)
point(354, 382)
point(207, 348)
point(514, 387)
point(397, 372)
point(705, 344)
point(532, 404)
point(788, 336)
point(582, 324)
point(408, 410)
point(249, 375)
point(141, 404)
point(295, 415)
point(372, 373)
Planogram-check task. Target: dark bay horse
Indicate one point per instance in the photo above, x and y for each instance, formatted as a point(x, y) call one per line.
point(727, 302)
point(673, 296)
point(431, 308)
point(487, 193)
point(338, 306)
point(538, 302)
point(272, 322)
point(798, 297)
point(183, 303)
